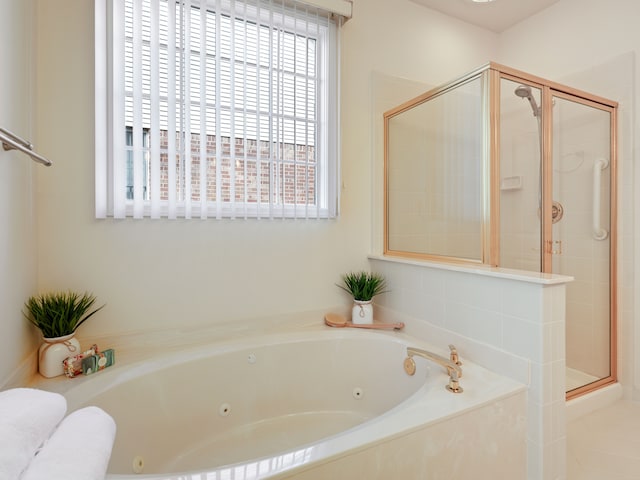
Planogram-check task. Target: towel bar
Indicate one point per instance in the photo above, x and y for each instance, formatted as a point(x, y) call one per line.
point(10, 141)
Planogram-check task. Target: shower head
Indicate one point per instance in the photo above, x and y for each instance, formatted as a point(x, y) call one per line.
point(524, 91)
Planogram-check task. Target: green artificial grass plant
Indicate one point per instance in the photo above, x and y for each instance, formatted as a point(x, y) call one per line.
point(363, 286)
point(59, 313)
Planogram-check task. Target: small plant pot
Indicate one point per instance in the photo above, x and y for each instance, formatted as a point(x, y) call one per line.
point(362, 312)
point(52, 353)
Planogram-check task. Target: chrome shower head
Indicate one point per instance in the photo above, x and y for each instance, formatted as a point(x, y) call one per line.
point(524, 91)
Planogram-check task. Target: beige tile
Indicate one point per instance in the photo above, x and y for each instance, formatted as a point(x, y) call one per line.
point(487, 443)
point(605, 444)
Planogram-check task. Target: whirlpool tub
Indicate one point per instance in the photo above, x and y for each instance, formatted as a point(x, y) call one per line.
point(325, 403)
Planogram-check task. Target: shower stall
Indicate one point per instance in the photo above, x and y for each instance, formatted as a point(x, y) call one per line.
point(520, 173)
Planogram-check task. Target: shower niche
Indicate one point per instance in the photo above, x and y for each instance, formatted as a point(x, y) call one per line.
point(505, 169)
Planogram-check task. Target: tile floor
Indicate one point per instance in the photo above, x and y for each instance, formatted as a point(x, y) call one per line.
point(605, 444)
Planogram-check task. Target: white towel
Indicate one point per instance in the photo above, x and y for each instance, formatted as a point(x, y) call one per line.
point(79, 449)
point(27, 418)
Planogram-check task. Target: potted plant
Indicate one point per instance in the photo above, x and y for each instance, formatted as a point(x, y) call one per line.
point(363, 286)
point(58, 315)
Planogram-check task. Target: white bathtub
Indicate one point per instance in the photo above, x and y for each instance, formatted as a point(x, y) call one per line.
point(296, 404)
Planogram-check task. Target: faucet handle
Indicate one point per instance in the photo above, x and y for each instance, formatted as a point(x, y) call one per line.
point(454, 355)
point(454, 383)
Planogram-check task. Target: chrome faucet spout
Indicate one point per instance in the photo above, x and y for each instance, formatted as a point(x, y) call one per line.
point(453, 369)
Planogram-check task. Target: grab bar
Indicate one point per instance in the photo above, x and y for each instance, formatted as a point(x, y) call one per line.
point(600, 164)
point(10, 141)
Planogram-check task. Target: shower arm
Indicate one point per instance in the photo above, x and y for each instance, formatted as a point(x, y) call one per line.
point(599, 233)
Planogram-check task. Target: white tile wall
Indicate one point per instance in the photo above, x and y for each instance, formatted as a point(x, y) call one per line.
point(509, 323)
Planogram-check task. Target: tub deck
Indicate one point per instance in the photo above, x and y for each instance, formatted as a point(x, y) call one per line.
point(323, 439)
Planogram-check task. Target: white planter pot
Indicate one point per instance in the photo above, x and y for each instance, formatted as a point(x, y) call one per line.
point(362, 312)
point(53, 352)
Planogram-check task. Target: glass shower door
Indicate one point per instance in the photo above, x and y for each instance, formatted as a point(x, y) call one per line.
point(581, 234)
point(556, 186)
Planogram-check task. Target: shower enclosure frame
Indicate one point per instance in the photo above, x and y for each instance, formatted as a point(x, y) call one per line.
point(492, 74)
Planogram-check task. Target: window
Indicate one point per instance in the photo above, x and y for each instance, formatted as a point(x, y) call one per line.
point(218, 108)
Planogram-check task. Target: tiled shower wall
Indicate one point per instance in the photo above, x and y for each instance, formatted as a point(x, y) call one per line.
point(510, 322)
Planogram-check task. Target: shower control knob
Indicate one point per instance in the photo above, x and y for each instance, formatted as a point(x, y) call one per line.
point(454, 355)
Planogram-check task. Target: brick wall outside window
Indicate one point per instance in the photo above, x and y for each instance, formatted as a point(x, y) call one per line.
point(293, 175)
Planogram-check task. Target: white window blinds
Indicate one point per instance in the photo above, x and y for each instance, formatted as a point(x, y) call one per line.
point(216, 109)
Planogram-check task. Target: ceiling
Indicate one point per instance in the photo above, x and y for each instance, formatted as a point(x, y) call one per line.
point(496, 16)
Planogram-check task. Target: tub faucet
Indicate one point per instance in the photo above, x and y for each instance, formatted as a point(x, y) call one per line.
point(454, 355)
point(453, 369)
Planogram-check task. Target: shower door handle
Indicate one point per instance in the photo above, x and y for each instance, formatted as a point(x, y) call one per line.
point(554, 247)
point(599, 233)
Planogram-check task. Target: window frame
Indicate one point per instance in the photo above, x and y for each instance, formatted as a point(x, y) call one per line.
point(110, 165)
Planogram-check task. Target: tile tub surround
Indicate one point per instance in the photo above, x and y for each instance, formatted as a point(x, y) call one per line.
point(484, 444)
point(508, 321)
point(388, 436)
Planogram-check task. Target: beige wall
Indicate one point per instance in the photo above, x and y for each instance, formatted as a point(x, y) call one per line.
point(167, 274)
point(17, 222)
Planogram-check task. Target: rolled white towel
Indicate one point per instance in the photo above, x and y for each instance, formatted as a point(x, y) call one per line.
point(27, 418)
point(79, 449)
